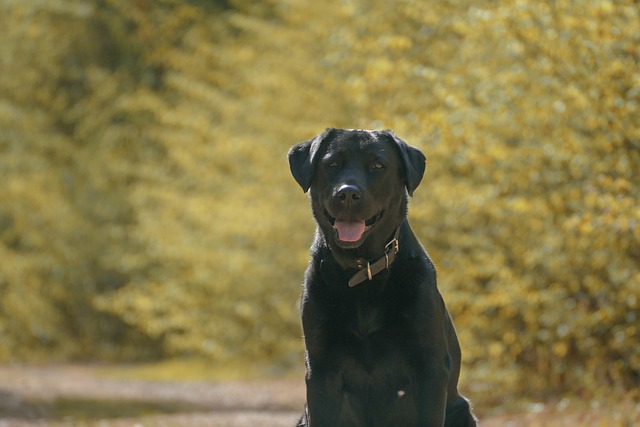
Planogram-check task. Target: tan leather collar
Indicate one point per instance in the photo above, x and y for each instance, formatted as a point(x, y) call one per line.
point(368, 270)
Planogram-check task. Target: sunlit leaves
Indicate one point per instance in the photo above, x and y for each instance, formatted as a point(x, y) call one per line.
point(146, 192)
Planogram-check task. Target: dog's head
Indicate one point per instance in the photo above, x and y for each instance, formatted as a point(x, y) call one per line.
point(358, 182)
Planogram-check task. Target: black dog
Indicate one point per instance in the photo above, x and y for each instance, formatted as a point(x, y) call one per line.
point(381, 349)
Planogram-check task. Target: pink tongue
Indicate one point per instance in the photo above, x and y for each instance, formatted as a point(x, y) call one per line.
point(349, 231)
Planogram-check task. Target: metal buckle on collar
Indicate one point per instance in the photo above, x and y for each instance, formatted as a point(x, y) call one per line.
point(395, 244)
point(392, 245)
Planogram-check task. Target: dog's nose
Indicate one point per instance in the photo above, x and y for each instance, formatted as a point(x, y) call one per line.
point(348, 193)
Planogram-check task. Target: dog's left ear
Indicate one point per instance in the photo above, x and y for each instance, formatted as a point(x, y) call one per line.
point(302, 159)
point(413, 160)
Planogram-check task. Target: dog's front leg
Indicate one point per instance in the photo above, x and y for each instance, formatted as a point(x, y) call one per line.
point(324, 399)
point(432, 392)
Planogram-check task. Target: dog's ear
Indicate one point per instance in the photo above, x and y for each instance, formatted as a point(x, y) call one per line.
point(413, 160)
point(302, 159)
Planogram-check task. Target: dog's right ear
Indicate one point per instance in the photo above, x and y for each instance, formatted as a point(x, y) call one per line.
point(302, 159)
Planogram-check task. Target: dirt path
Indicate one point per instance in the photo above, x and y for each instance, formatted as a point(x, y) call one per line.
point(39, 396)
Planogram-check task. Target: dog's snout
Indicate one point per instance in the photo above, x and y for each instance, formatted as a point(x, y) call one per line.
point(349, 193)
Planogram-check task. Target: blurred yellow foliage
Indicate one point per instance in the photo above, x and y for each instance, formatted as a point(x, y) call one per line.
point(146, 208)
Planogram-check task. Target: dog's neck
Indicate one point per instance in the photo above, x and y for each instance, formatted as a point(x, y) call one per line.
point(368, 269)
point(366, 263)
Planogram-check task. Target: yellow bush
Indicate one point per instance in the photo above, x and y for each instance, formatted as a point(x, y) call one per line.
point(146, 193)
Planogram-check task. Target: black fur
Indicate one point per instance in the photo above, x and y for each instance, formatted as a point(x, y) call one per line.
point(383, 353)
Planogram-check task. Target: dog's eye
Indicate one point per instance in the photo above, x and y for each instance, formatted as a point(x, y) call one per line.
point(376, 165)
point(333, 164)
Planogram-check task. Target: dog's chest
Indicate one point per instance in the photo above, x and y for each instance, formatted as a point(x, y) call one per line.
point(366, 320)
point(375, 364)
point(372, 332)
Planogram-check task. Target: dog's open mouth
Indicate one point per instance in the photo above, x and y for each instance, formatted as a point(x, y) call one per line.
point(351, 230)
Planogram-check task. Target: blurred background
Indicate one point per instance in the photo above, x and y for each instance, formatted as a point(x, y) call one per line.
point(147, 211)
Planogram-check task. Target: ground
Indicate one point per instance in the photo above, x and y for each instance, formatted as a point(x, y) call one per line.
point(92, 396)
point(81, 396)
